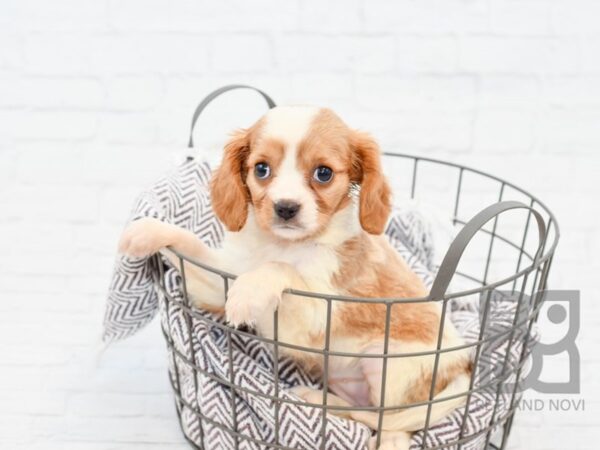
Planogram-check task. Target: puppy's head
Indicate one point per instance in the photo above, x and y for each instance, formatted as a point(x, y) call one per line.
point(296, 167)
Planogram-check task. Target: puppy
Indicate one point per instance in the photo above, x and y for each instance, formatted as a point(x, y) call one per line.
point(305, 203)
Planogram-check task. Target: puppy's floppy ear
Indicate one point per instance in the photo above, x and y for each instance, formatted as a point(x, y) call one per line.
point(229, 194)
point(375, 193)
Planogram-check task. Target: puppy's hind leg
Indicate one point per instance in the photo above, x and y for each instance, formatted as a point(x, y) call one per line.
point(310, 395)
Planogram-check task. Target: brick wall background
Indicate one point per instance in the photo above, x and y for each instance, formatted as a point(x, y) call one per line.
point(95, 102)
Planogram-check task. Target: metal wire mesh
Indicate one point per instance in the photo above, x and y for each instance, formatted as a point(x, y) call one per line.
point(507, 261)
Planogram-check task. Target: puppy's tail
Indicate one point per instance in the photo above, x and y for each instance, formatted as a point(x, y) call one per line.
point(413, 419)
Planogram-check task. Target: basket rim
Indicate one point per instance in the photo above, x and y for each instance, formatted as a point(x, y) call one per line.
point(534, 265)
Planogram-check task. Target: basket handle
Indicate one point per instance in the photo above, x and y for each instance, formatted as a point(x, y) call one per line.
point(210, 97)
point(458, 246)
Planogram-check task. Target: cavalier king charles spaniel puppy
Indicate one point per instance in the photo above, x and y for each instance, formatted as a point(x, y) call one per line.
point(305, 203)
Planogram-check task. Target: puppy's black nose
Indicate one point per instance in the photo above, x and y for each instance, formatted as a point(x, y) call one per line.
point(286, 209)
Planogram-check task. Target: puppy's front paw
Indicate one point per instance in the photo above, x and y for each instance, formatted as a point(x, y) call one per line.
point(250, 299)
point(144, 237)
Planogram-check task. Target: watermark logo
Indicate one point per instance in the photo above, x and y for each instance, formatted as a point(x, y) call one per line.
point(512, 354)
point(563, 309)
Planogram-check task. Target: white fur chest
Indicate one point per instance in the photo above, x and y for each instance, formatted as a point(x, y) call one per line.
point(316, 261)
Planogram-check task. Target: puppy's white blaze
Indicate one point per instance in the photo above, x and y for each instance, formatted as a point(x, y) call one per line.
point(290, 184)
point(290, 124)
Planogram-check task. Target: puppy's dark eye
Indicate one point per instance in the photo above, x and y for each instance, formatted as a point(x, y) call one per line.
point(323, 174)
point(262, 170)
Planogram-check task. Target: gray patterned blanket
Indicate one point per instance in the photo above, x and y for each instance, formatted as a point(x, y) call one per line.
point(182, 198)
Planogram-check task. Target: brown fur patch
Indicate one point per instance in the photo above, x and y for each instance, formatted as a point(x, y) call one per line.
point(354, 158)
point(326, 144)
point(421, 388)
point(270, 151)
point(375, 193)
point(370, 268)
point(229, 194)
point(267, 150)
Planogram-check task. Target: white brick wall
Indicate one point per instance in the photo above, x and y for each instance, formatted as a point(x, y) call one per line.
point(95, 100)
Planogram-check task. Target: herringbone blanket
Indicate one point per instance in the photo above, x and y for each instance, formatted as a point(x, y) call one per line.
point(182, 198)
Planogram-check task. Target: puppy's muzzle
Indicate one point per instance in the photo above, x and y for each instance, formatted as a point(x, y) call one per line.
point(286, 209)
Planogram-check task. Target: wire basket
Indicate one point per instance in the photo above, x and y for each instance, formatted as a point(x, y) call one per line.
point(505, 252)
